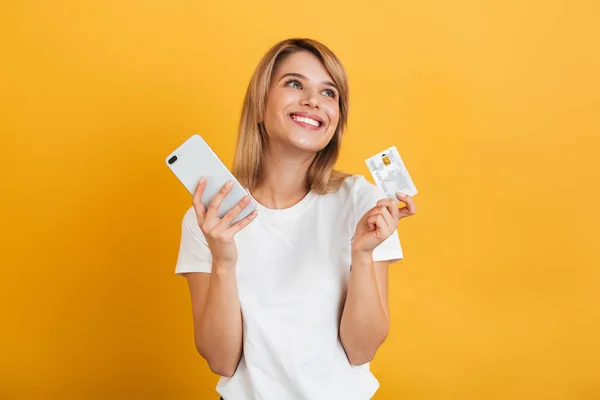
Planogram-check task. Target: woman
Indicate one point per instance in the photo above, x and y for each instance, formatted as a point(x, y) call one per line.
point(292, 301)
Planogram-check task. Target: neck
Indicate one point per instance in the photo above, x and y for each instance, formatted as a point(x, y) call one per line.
point(284, 181)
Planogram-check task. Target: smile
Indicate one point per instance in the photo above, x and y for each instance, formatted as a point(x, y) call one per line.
point(306, 121)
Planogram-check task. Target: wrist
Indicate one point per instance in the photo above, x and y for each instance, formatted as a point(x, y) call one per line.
point(221, 266)
point(362, 256)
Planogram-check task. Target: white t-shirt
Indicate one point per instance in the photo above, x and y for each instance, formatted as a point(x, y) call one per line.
point(292, 274)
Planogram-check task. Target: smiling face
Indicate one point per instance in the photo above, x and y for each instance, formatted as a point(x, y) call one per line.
point(302, 108)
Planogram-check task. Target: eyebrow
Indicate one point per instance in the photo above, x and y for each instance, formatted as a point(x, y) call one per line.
point(297, 75)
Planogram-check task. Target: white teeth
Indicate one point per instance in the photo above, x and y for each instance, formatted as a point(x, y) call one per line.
point(309, 121)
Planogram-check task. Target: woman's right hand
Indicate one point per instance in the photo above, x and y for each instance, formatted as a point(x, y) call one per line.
point(217, 231)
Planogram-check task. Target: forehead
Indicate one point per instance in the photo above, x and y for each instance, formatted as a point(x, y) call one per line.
point(305, 63)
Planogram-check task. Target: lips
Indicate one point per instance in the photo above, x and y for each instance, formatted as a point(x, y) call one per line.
point(307, 119)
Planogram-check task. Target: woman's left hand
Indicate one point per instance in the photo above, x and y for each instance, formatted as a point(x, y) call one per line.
point(380, 222)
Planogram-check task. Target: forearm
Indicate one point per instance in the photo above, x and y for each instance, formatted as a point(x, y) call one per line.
point(365, 323)
point(219, 338)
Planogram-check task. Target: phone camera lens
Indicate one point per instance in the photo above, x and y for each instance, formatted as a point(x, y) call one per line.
point(172, 160)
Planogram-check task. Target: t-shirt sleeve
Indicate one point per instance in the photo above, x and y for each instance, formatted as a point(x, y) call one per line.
point(366, 197)
point(194, 254)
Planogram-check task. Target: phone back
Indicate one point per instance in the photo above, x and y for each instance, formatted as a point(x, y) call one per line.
point(194, 159)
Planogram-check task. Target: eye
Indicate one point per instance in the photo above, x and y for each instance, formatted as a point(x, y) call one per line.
point(329, 93)
point(294, 83)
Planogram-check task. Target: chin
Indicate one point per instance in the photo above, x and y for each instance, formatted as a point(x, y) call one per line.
point(307, 144)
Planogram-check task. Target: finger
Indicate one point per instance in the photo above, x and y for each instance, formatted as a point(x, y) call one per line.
point(377, 209)
point(387, 216)
point(376, 221)
point(372, 220)
point(410, 208)
point(197, 200)
point(241, 224)
point(387, 202)
point(391, 205)
point(215, 204)
point(234, 212)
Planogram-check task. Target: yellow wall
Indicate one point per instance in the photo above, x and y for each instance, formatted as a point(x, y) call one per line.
point(493, 105)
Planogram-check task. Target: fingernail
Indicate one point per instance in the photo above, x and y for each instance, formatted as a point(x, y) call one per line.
point(202, 179)
point(229, 184)
point(401, 194)
point(246, 199)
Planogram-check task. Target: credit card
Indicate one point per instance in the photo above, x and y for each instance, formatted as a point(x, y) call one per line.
point(390, 173)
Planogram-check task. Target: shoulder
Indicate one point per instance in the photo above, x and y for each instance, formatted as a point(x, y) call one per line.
point(190, 225)
point(356, 195)
point(360, 194)
point(357, 187)
point(189, 218)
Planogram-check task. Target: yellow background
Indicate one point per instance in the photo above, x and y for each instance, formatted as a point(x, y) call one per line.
point(493, 106)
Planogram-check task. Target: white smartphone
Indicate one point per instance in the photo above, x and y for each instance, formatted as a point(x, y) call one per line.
point(194, 159)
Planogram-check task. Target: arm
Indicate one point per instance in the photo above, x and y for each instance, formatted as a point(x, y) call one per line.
point(217, 318)
point(365, 320)
point(215, 301)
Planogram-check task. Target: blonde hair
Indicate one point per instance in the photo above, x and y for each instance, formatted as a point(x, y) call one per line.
point(252, 138)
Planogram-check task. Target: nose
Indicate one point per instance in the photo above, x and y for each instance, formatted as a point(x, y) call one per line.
point(310, 99)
